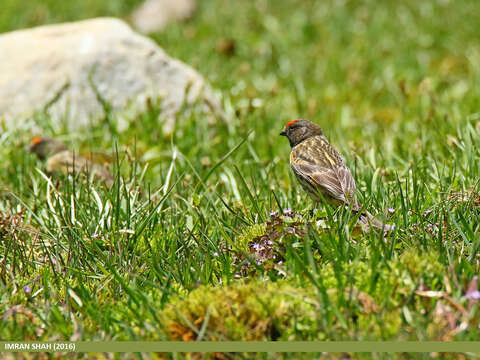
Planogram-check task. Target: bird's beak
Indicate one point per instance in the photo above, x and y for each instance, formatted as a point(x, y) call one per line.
point(283, 133)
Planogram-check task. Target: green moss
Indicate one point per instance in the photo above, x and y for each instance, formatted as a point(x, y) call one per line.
point(422, 264)
point(244, 311)
point(284, 311)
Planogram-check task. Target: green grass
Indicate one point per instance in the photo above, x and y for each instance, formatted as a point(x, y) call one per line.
point(395, 86)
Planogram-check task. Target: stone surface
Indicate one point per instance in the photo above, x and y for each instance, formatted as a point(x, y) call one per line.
point(154, 15)
point(67, 70)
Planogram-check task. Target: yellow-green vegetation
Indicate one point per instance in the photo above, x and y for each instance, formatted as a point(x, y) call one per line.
point(284, 310)
point(205, 234)
point(245, 311)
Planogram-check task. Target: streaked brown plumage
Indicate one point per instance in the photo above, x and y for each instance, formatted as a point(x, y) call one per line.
point(61, 160)
point(321, 170)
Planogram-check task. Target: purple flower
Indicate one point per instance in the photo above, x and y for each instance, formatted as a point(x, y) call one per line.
point(472, 291)
point(27, 289)
point(427, 212)
point(288, 212)
point(273, 213)
point(256, 246)
point(474, 295)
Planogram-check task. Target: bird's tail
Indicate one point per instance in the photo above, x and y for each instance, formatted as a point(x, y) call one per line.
point(368, 220)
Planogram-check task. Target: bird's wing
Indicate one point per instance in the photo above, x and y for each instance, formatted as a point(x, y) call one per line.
point(338, 182)
point(318, 161)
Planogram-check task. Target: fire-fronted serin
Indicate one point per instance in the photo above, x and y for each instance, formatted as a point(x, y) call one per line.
point(321, 170)
point(61, 160)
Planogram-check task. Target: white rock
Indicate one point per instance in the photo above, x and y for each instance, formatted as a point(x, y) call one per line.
point(154, 15)
point(58, 68)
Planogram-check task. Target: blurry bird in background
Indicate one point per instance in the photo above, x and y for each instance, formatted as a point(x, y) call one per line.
point(61, 160)
point(322, 171)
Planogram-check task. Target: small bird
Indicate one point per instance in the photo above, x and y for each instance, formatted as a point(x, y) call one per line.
point(322, 171)
point(61, 160)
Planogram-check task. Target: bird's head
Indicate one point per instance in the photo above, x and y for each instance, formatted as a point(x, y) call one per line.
point(45, 147)
point(299, 130)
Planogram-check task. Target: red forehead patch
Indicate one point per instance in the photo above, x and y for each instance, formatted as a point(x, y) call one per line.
point(290, 123)
point(36, 140)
